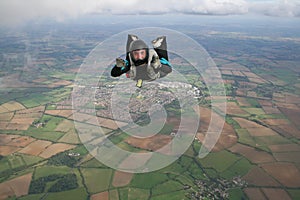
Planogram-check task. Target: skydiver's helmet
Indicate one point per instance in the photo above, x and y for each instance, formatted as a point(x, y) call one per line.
point(136, 52)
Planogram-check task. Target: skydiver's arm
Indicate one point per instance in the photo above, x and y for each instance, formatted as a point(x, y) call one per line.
point(120, 68)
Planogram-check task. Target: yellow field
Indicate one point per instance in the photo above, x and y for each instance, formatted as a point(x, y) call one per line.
point(13, 106)
point(6, 116)
point(22, 141)
point(65, 126)
point(7, 150)
point(70, 137)
point(36, 147)
point(55, 149)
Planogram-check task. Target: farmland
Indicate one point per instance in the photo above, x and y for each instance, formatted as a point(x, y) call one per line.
point(42, 155)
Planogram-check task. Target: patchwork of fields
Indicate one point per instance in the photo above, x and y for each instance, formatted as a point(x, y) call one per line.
point(257, 155)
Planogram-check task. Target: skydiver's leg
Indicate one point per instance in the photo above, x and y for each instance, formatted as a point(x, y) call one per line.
point(164, 70)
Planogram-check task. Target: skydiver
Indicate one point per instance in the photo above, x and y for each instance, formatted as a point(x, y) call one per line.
point(142, 63)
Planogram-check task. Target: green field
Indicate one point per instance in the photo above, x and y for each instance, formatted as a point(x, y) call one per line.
point(137, 194)
point(32, 197)
point(239, 168)
point(76, 194)
point(47, 170)
point(97, 179)
point(167, 187)
point(219, 161)
point(148, 180)
point(171, 196)
point(29, 159)
point(245, 138)
point(93, 163)
point(255, 111)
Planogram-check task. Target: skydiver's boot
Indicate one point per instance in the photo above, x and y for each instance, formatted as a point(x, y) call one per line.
point(139, 83)
point(160, 46)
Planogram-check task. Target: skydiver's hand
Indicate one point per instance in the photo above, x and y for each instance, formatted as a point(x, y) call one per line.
point(120, 62)
point(155, 62)
point(165, 62)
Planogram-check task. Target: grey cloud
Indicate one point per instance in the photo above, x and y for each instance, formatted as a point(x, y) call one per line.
point(17, 11)
point(281, 8)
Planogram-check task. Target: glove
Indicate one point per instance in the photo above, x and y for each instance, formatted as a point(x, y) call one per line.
point(121, 63)
point(165, 62)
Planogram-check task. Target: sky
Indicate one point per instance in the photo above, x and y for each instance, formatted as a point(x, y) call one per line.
point(20, 11)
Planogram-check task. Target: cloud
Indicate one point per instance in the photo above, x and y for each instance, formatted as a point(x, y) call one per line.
point(16, 11)
point(282, 8)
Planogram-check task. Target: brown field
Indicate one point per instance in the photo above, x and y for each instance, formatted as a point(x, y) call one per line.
point(226, 72)
point(244, 123)
point(7, 150)
point(22, 141)
point(252, 154)
point(265, 102)
point(243, 101)
point(287, 106)
point(35, 112)
point(250, 75)
point(54, 149)
point(60, 83)
point(150, 143)
point(292, 114)
point(254, 194)
point(3, 125)
point(36, 147)
point(27, 121)
point(291, 98)
point(251, 94)
point(20, 185)
point(100, 196)
point(228, 136)
point(256, 176)
point(263, 131)
point(15, 187)
point(276, 194)
point(256, 80)
point(286, 173)
point(288, 156)
point(233, 109)
point(13, 106)
point(4, 139)
point(238, 73)
point(255, 129)
point(121, 179)
point(276, 122)
point(6, 191)
point(271, 110)
point(284, 148)
point(278, 99)
point(6, 116)
point(82, 117)
point(65, 126)
point(108, 123)
point(16, 126)
point(234, 66)
point(289, 129)
point(61, 113)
